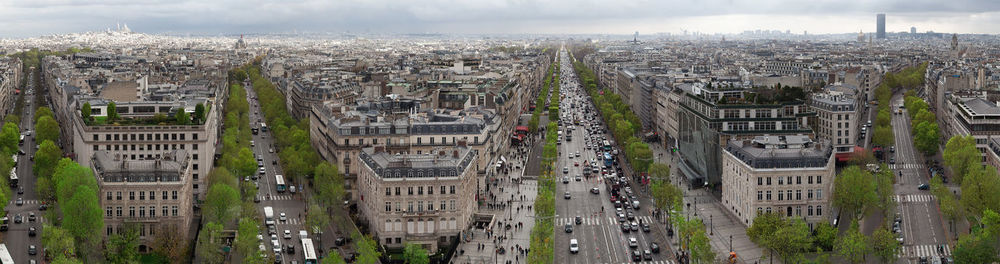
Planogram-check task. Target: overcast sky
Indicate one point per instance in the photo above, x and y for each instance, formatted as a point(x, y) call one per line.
point(27, 18)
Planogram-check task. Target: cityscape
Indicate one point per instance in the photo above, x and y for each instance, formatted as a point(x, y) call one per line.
point(500, 132)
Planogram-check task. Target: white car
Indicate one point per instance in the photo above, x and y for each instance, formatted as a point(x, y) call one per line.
point(632, 242)
point(574, 246)
point(288, 234)
point(283, 218)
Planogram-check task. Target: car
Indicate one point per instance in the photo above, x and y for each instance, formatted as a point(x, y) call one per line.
point(647, 255)
point(892, 149)
point(595, 190)
point(20, 201)
point(892, 160)
point(923, 187)
point(43, 207)
point(290, 248)
point(282, 217)
point(578, 178)
point(31, 231)
point(576, 164)
point(17, 219)
point(654, 247)
point(566, 196)
point(31, 216)
point(270, 150)
point(252, 144)
point(923, 260)
point(20, 190)
point(288, 234)
point(636, 255)
point(578, 220)
point(565, 179)
point(276, 247)
point(630, 216)
point(577, 154)
point(645, 227)
point(574, 246)
point(626, 228)
point(256, 199)
point(633, 243)
point(271, 230)
point(568, 228)
point(32, 250)
point(635, 226)
point(565, 170)
point(262, 171)
point(621, 217)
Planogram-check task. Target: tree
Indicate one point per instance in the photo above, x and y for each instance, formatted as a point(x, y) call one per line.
point(666, 196)
point(960, 155)
point(42, 112)
point(46, 129)
point(12, 118)
point(245, 163)
point(367, 251)
point(924, 116)
point(85, 111)
point(791, 240)
point(329, 184)
point(182, 117)
point(854, 190)
point(316, 217)
point(123, 246)
point(69, 176)
point(333, 257)
point(884, 118)
point(170, 243)
point(883, 136)
point(853, 245)
point(976, 247)
point(926, 137)
point(981, 190)
point(825, 235)
point(415, 254)
point(58, 241)
point(220, 175)
point(209, 246)
point(246, 236)
point(83, 217)
point(112, 111)
point(199, 113)
point(46, 158)
point(885, 246)
point(9, 137)
point(222, 203)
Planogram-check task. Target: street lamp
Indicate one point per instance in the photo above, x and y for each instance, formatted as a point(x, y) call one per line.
point(711, 223)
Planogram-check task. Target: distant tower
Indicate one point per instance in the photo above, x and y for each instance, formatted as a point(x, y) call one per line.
point(861, 36)
point(954, 41)
point(880, 25)
point(635, 38)
point(913, 30)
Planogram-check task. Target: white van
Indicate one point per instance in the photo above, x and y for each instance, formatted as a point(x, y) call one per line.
point(635, 204)
point(574, 246)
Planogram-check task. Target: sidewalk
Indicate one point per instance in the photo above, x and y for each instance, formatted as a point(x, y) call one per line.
point(723, 228)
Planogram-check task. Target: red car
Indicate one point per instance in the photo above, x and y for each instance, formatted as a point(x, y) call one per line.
point(577, 164)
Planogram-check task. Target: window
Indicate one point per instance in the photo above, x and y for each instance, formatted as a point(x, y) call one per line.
point(781, 196)
point(409, 206)
point(798, 179)
point(107, 211)
point(420, 190)
point(442, 189)
point(760, 180)
point(165, 211)
point(430, 189)
point(109, 196)
point(420, 206)
point(194, 156)
point(174, 195)
point(152, 195)
point(118, 211)
point(798, 210)
point(760, 195)
point(388, 206)
point(110, 230)
point(173, 210)
point(452, 189)
point(398, 207)
point(409, 190)
point(142, 195)
point(443, 206)
point(397, 190)
point(768, 195)
point(798, 194)
point(388, 191)
point(809, 211)
point(819, 179)
point(809, 194)
point(164, 196)
point(789, 194)
point(819, 193)
point(810, 180)
point(131, 195)
point(768, 180)
point(152, 211)
point(142, 211)
point(131, 211)
point(819, 210)
point(781, 180)
point(451, 204)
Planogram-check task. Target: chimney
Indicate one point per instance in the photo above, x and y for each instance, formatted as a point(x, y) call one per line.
point(379, 149)
point(455, 154)
point(463, 142)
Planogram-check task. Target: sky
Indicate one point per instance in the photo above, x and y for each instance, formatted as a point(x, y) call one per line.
point(29, 18)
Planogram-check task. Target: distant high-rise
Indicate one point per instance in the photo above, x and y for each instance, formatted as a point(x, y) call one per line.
point(880, 25)
point(913, 30)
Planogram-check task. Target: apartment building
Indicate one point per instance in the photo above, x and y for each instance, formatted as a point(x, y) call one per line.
point(971, 114)
point(10, 82)
point(838, 122)
point(791, 175)
point(425, 199)
point(153, 194)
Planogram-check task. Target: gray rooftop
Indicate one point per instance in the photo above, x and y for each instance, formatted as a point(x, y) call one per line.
point(979, 107)
point(114, 168)
point(443, 162)
point(773, 152)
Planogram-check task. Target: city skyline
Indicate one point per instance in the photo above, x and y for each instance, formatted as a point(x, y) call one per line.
point(37, 18)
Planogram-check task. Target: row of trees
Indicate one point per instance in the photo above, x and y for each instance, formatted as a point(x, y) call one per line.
point(621, 120)
point(980, 199)
point(923, 123)
point(857, 190)
point(537, 113)
point(541, 237)
point(668, 198)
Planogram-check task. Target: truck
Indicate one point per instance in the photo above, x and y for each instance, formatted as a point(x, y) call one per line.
point(268, 215)
point(5, 255)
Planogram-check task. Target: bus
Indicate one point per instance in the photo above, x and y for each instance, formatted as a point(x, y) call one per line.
point(279, 183)
point(263, 127)
point(5, 255)
point(607, 145)
point(608, 160)
point(13, 178)
point(308, 251)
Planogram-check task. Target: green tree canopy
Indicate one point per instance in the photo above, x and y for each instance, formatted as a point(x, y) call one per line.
point(112, 111)
point(222, 203)
point(961, 156)
point(209, 246)
point(367, 250)
point(415, 254)
point(199, 113)
point(42, 112)
point(852, 245)
point(85, 110)
point(854, 190)
point(123, 246)
point(981, 190)
point(884, 245)
point(83, 217)
point(182, 117)
point(9, 137)
point(58, 241)
point(46, 129)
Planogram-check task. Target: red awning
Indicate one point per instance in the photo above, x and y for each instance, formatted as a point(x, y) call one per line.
point(521, 128)
point(844, 157)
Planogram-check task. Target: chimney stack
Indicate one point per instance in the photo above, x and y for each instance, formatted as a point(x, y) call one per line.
point(455, 154)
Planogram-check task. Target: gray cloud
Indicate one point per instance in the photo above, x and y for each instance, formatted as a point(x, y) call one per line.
point(19, 18)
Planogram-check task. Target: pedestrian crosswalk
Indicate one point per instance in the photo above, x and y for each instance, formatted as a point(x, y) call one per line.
point(914, 198)
point(905, 166)
point(650, 261)
point(26, 202)
point(925, 251)
point(275, 197)
point(290, 221)
point(598, 220)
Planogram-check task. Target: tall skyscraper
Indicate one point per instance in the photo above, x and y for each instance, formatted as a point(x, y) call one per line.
point(913, 30)
point(880, 24)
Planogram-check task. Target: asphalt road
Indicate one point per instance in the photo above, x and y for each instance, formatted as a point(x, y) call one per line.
point(922, 228)
point(600, 235)
point(292, 205)
point(17, 238)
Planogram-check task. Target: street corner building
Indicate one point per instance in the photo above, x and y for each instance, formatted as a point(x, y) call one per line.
point(791, 175)
point(424, 199)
